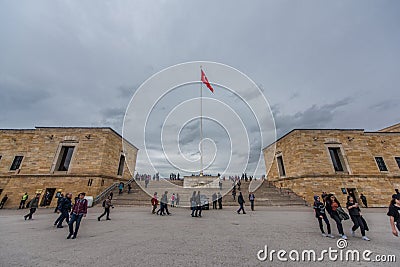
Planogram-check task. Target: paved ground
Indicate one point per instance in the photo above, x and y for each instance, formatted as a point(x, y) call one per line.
point(134, 237)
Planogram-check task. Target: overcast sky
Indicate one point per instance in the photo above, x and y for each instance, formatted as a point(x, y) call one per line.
point(319, 64)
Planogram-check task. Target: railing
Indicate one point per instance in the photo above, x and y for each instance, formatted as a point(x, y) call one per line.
point(105, 193)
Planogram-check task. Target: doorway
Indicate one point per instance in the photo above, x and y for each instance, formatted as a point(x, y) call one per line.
point(48, 197)
point(353, 193)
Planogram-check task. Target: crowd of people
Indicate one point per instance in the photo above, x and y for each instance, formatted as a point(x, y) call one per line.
point(324, 205)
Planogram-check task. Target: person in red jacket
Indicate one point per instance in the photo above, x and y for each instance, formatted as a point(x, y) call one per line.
point(154, 202)
point(78, 211)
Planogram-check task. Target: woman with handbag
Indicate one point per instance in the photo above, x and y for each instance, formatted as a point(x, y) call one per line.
point(332, 206)
point(355, 215)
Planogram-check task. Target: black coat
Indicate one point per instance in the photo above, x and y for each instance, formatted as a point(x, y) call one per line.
point(241, 199)
point(65, 204)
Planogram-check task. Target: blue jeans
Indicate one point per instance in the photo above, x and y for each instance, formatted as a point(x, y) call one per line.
point(77, 218)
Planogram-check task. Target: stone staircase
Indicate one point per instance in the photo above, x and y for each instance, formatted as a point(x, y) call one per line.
point(266, 193)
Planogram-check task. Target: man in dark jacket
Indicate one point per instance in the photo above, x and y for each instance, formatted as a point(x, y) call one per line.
point(241, 203)
point(219, 201)
point(60, 198)
point(33, 205)
point(107, 206)
point(64, 207)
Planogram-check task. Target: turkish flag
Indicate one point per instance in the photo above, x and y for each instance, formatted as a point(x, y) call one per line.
point(205, 81)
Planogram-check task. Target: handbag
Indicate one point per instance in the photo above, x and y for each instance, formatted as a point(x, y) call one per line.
point(342, 214)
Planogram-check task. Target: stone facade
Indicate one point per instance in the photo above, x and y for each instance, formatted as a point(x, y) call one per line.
point(309, 168)
point(93, 167)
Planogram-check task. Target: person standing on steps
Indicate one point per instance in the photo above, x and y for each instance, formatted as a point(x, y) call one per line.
point(64, 207)
point(120, 188)
point(332, 204)
point(355, 215)
point(219, 200)
point(23, 200)
point(129, 188)
point(241, 203)
point(111, 195)
point(173, 200)
point(33, 205)
point(154, 202)
point(320, 214)
point(234, 193)
point(107, 206)
point(78, 212)
point(251, 199)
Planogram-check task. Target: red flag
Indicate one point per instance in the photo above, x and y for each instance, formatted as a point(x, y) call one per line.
point(205, 81)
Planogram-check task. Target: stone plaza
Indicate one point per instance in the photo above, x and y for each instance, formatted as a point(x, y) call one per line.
point(135, 237)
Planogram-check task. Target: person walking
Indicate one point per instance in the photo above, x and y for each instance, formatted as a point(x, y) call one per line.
point(177, 199)
point(107, 206)
point(198, 205)
point(332, 204)
point(3, 201)
point(193, 203)
point(164, 204)
point(219, 200)
point(154, 202)
point(78, 212)
point(364, 200)
point(394, 214)
point(33, 205)
point(64, 207)
point(355, 215)
point(59, 199)
point(129, 188)
point(234, 193)
point(251, 199)
point(320, 214)
point(241, 203)
point(120, 188)
point(214, 201)
point(23, 200)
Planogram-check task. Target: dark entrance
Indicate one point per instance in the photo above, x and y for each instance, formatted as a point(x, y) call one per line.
point(353, 192)
point(48, 196)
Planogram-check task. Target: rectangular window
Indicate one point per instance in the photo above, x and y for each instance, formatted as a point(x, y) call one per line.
point(281, 166)
point(381, 164)
point(16, 163)
point(336, 156)
point(121, 165)
point(396, 158)
point(64, 159)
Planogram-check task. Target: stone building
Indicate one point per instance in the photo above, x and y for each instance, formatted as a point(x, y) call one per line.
point(343, 162)
point(62, 159)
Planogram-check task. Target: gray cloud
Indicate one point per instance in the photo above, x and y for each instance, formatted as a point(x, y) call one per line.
point(320, 65)
point(313, 117)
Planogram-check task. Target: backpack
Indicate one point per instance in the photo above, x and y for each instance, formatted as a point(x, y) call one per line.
point(104, 203)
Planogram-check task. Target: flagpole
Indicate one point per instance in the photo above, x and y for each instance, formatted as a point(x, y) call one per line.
point(201, 127)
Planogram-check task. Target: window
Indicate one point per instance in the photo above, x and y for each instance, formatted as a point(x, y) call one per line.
point(381, 164)
point(121, 165)
point(281, 166)
point(64, 158)
point(16, 163)
point(396, 158)
point(336, 157)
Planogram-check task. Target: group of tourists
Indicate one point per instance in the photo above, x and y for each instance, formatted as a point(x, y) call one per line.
point(330, 204)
